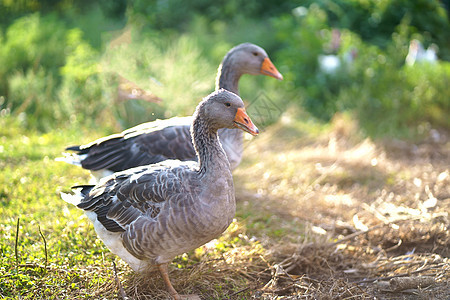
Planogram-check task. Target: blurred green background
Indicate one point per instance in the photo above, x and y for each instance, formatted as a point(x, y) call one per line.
point(63, 62)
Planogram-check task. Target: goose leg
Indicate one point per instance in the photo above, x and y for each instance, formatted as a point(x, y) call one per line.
point(165, 275)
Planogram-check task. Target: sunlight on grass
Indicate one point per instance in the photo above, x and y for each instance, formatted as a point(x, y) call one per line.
point(30, 183)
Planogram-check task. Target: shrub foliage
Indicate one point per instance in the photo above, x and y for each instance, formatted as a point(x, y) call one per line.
point(59, 67)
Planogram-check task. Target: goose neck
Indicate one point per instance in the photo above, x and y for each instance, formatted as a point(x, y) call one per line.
point(211, 156)
point(228, 77)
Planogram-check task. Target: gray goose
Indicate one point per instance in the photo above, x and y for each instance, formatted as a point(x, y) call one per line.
point(148, 215)
point(159, 140)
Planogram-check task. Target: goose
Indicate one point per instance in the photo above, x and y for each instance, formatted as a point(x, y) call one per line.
point(418, 54)
point(159, 140)
point(148, 215)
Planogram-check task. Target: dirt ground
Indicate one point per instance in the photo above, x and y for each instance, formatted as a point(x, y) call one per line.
point(375, 215)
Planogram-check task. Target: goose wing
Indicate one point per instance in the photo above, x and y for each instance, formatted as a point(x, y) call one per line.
point(145, 144)
point(120, 199)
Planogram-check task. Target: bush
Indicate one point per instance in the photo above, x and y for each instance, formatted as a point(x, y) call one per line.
point(31, 56)
point(387, 97)
point(34, 98)
point(56, 68)
point(171, 68)
point(376, 21)
point(80, 93)
point(178, 14)
point(304, 36)
point(400, 102)
point(48, 70)
point(32, 41)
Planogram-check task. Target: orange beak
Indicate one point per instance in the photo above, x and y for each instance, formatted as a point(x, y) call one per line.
point(242, 121)
point(267, 68)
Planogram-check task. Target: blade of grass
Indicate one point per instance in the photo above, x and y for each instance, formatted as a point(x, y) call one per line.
point(17, 240)
point(45, 246)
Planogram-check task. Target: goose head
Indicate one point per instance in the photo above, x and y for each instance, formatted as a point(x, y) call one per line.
point(251, 59)
point(224, 109)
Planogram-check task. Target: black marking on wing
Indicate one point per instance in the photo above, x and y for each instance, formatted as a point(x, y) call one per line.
point(85, 188)
point(109, 224)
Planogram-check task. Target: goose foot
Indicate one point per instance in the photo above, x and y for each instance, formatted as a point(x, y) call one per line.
point(163, 269)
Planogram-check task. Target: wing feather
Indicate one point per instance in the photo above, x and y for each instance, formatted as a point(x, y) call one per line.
point(124, 197)
point(144, 144)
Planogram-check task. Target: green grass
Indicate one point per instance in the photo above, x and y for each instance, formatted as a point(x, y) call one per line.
point(53, 248)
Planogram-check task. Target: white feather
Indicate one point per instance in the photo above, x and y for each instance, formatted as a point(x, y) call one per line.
point(74, 199)
point(113, 241)
point(73, 159)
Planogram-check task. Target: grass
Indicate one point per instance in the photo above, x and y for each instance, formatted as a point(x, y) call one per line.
point(297, 199)
point(30, 186)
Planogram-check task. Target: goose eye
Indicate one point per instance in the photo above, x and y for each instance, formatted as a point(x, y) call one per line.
point(255, 53)
point(227, 104)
